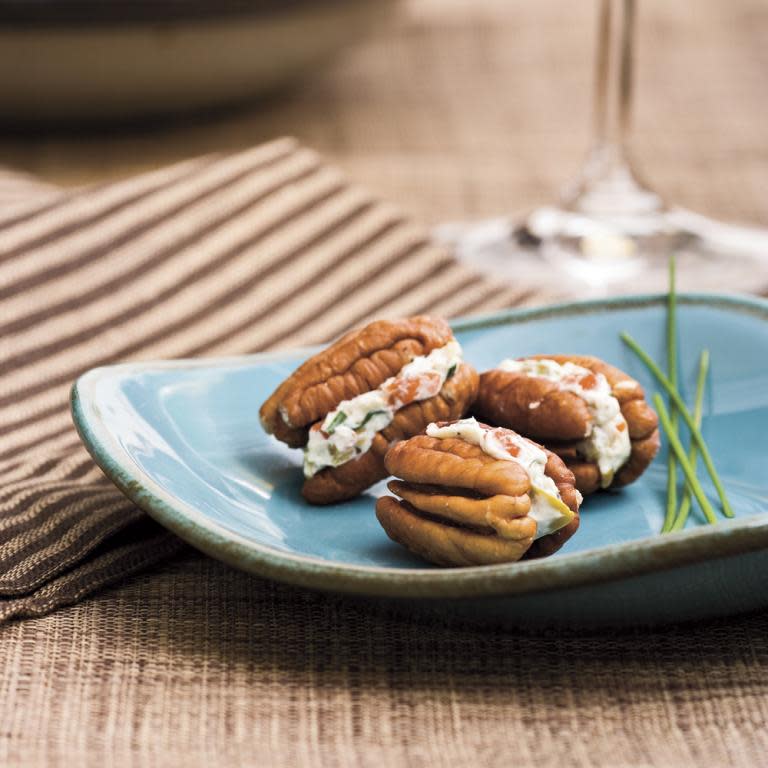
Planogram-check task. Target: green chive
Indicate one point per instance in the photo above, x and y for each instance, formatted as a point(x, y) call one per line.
point(451, 371)
point(686, 414)
point(676, 446)
point(368, 417)
point(339, 418)
point(669, 516)
point(685, 505)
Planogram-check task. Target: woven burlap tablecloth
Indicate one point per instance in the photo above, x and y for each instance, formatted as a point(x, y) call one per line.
point(192, 663)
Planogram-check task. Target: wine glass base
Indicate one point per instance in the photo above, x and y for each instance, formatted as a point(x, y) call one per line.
point(576, 255)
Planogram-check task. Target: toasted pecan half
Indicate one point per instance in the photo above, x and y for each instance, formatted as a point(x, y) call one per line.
point(449, 545)
point(539, 409)
point(459, 506)
point(358, 362)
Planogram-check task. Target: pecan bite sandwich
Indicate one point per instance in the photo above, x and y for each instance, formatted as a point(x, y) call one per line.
point(592, 415)
point(376, 385)
point(471, 494)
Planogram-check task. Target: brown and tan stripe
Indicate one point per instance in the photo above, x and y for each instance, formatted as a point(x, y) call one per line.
point(15, 502)
point(127, 555)
point(79, 524)
point(231, 269)
point(218, 255)
point(23, 197)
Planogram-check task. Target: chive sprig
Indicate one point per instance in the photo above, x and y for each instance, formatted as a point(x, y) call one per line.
point(687, 418)
point(669, 516)
point(674, 518)
point(677, 448)
point(698, 407)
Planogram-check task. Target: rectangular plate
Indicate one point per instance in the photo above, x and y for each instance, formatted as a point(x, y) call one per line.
point(183, 440)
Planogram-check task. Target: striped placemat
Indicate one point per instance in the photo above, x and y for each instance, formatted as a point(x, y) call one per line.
point(219, 255)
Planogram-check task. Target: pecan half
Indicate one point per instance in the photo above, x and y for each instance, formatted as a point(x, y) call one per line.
point(358, 362)
point(459, 506)
point(538, 408)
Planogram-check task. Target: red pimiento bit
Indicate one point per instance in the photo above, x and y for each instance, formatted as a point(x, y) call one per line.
point(507, 441)
point(409, 388)
point(588, 381)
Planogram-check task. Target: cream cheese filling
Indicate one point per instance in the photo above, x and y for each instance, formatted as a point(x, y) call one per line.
point(547, 507)
point(607, 441)
point(348, 431)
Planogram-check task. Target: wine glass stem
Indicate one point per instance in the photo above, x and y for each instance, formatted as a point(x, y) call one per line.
point(608, 183)
point(613, 76)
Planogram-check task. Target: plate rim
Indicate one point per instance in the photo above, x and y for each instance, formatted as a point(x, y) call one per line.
point(591, 566)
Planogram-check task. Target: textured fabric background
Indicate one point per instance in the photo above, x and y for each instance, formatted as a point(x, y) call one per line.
point(464, 108)
point(198, 665)
point(459, 109)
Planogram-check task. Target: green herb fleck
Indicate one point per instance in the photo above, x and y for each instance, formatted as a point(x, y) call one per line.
point(368, 417)
point(451, 371)
point(339, 418)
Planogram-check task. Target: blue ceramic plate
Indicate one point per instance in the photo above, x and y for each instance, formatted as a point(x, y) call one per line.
point(183, 440)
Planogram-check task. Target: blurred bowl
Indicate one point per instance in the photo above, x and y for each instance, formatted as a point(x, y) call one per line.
point(64, 60)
